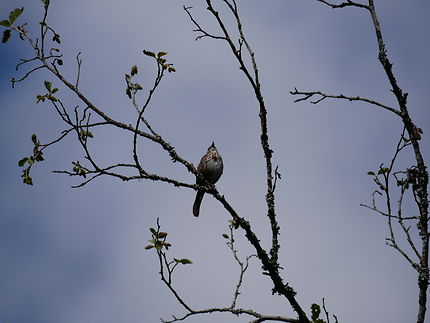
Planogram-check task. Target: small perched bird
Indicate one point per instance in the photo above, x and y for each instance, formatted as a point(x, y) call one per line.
point(210, 167)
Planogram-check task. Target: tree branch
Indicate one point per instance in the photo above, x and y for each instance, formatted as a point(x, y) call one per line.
point(421, 178)
point(308, 95)
point(270, 263)
point(348, 3)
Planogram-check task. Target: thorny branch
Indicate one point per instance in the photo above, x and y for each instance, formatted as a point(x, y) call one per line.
point(415, 176)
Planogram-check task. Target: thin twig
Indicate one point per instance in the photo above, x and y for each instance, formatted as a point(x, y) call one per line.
point(242, 265)
point(348, 3)
point(323, 96)
point(199, 29)
point(79, 62)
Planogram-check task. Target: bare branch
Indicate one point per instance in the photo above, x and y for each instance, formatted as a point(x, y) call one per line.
point(253, 78)
point(238, 311)
point(348, 3)
point(387, 215)
point(25, 61)
point(166, 273)
point(325, 311)
point(270, 264)
point(243, 265)
point(64, 133)
point(421, 177)
point(13, 80)
point(199, 29)
point(403, 226)
point(79, 62)
point(323, 96)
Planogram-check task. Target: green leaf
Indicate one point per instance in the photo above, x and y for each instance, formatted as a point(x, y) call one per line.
point(28, 180)
point(158, 245)
point(225, 236)
point(60, 62)
point(22, 162)
point(316, 310)
point(383, 170)
point(5, 23)
point(133, 70)
point(161, 54)
point(52, 98)
point(185, 261)
point(150, 246)
point(370, 173)
point(56, 38)
point(6, 36)
point(34, 138)
point(54, 91)
point(15, 14)
point(148, 53)
point(39, 156)
point(48, 85)
point(153, 231)
point(40, 98)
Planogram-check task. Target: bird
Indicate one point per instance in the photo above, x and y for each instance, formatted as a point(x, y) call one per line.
point(211, 168)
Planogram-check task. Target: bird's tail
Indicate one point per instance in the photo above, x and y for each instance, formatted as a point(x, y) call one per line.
point(197, 202)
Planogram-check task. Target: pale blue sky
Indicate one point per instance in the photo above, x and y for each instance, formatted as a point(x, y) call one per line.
point(76, 255)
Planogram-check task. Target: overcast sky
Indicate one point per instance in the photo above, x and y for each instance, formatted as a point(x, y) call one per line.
point(77, 255)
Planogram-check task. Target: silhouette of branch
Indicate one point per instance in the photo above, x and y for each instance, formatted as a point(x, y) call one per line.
point(308, 95)
point(242, 264)
point(403, 184)
point(270, 263)
point(417, 175)
point(78, 76)
point(348, 3)
point(199, 29)
point(166, 273)
point(79, 121)
point(327, 314)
